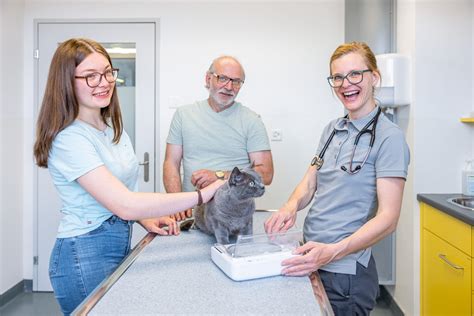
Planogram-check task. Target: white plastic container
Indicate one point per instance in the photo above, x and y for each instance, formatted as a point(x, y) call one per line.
point(468, 178)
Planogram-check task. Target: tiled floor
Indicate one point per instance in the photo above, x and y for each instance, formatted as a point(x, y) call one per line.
point(44, 304)
point(26, 304)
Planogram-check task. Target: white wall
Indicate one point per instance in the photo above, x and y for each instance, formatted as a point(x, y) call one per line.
point(285, 51)
point(404, 291)
point(284, 47)
point(445, 58)
point(2, 246)
point(472, 90)
point(11, 140)
point(438, 37)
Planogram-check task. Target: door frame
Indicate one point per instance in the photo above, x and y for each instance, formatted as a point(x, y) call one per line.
point(36, 107)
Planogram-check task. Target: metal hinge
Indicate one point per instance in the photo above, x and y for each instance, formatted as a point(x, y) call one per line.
point(35, 260)
point(36, 54)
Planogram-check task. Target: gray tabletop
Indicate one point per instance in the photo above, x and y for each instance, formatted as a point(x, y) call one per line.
point(175, 275)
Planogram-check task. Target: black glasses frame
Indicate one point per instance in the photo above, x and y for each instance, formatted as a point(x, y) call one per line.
point(347, 76)
point(114, 71)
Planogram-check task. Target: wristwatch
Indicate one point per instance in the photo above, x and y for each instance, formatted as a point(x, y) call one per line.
point(220, 174)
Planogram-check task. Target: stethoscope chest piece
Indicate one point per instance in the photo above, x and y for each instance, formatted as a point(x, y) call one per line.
point(317, 161)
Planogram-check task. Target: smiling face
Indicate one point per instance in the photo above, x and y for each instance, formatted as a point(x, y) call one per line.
point(93, 99)
point(357, 98)
point(222, 96)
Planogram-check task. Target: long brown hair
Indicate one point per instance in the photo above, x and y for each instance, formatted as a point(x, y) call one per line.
point(60, 107)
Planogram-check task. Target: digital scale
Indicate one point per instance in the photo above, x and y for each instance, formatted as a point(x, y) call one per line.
point(255, 256)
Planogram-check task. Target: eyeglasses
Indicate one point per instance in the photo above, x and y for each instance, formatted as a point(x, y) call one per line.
point(354, 77)
point(93, 80)
point(223, 80)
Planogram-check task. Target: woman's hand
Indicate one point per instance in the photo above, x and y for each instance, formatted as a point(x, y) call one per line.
point(154, 225)
point(209, 191)
point(280, 221)
point(181, 216)
point(313, 255)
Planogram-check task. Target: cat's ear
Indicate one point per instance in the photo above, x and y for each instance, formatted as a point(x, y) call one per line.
point(235, 176)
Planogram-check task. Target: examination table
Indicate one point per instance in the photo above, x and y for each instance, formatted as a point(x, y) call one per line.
point(175, 275)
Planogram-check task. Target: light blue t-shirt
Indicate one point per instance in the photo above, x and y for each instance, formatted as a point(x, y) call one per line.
point(76, 150)
point(344, 202)
point(216, 141)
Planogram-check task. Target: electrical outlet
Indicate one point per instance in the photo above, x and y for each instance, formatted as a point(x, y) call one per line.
point(276, 135)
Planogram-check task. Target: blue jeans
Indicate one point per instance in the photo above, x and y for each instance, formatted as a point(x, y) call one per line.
point(78, 264)
point(352, 294)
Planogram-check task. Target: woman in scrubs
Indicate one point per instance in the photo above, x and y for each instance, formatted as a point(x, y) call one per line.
point(356, 190)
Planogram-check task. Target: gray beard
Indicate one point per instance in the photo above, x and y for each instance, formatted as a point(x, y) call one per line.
point(224, 106)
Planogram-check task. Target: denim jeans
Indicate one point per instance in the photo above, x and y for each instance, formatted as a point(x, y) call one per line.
point(352, 294)
point(78, 264)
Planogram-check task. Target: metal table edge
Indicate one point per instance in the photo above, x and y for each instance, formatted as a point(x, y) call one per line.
point(91, 300)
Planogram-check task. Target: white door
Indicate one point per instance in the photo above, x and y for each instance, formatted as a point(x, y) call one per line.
point(132, 47)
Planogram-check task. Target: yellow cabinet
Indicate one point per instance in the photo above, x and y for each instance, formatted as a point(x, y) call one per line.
point(446, 278)
point(446, 257)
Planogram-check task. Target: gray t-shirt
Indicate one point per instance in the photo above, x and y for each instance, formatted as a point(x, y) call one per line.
point(216, 141)
point(344, 202)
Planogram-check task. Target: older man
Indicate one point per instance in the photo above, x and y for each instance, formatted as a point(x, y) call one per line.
point(214, 135)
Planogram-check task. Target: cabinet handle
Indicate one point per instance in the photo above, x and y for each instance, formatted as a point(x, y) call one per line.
point(455, 266)
point(146, 167)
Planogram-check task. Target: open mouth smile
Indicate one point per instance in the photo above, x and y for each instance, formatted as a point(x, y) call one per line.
point(350, 95)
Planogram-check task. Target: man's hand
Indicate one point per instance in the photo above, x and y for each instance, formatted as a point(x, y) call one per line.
point(154, 225)
point(182, 215)
point(203, 177)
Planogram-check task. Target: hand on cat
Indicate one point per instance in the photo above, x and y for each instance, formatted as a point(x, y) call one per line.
point(202, 178)
point(182, 215)
point(313, 256)
point(280, 221)
point(207, 194)
point(154, 225)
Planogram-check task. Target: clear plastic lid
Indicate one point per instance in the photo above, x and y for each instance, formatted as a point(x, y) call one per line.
point(258, 244)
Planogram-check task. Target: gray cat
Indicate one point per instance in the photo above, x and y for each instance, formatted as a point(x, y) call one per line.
point(230, 212)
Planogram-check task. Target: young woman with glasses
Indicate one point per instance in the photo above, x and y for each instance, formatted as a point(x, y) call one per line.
point(80, 139)
point(356, 183)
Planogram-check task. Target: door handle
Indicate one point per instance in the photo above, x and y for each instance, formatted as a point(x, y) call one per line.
point(146, 166)
point(455, 266)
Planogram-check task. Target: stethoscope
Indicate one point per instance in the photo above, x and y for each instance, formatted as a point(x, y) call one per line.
point(318, 160)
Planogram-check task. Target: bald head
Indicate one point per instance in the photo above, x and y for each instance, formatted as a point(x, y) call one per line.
point(227, 61)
